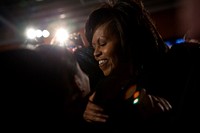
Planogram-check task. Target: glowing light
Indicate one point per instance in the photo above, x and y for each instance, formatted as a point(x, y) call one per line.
point(38, 33)
point(180, 40)
point(61, 36)
point(136, 94)
point(168, 43)
point(135, 101)
point(45, 33)
point(62, 16)
point(31, 33)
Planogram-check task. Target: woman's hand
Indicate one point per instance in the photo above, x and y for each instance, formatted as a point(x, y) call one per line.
point(93, 112)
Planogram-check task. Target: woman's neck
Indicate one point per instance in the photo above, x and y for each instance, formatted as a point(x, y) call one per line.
point(125, 71)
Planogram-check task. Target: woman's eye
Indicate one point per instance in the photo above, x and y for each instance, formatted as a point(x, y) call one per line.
point(102, 43)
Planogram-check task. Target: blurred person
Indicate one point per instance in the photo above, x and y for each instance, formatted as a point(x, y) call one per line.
point(40, 88)
point(89, 65)
point(183, 70)
point(129, 51)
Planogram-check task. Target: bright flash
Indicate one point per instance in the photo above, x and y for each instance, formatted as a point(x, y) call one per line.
point(61, 36)
point(45, 33)
point(38, 33)
point(31, 33)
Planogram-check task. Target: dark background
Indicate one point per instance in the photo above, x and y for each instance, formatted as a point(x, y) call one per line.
point(17, 15)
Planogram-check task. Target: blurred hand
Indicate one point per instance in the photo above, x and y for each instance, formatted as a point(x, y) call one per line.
point(93, 112)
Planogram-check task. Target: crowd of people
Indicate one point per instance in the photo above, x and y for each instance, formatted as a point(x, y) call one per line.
point(125, 79)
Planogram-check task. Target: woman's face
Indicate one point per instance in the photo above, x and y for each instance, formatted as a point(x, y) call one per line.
point(106, 49)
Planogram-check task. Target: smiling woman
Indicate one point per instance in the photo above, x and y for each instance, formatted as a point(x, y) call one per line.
point(128, 48)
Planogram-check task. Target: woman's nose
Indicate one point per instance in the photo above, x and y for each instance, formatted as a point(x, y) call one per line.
point(97, 52)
